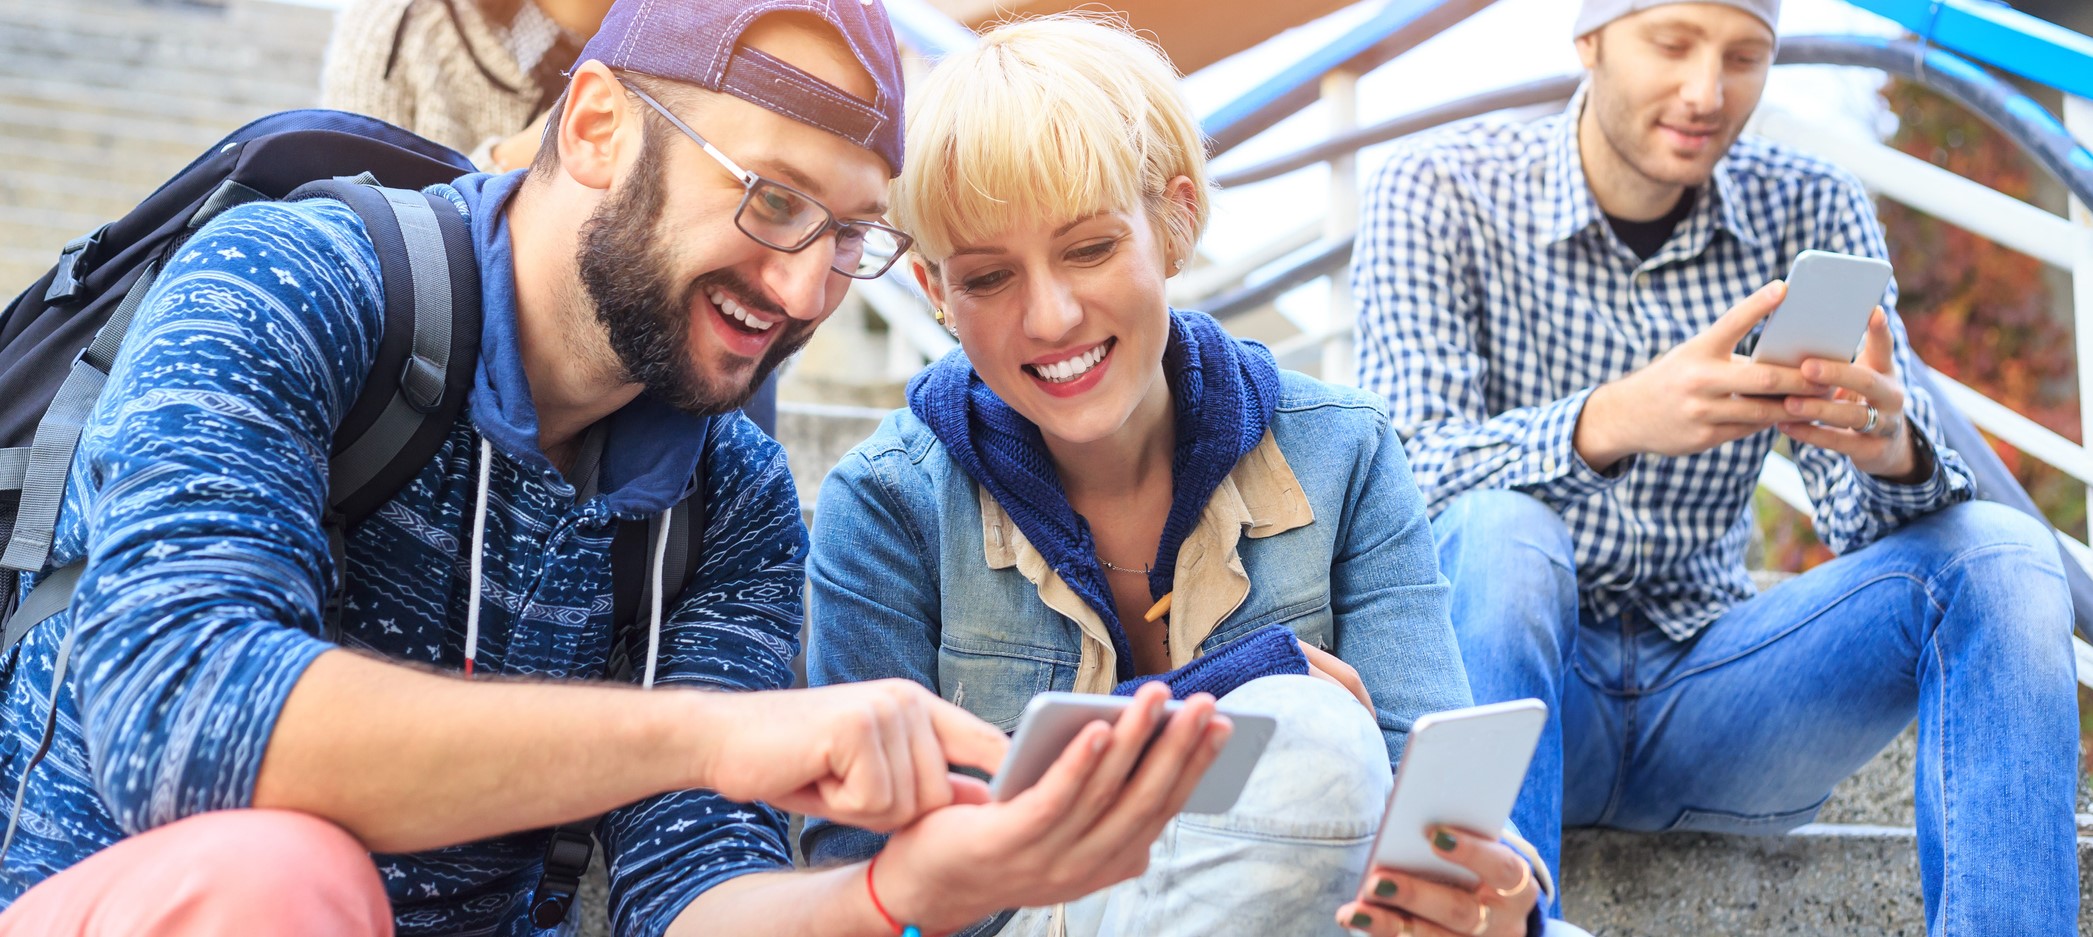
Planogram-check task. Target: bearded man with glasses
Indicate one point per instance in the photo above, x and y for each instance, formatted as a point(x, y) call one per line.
point(218, 767)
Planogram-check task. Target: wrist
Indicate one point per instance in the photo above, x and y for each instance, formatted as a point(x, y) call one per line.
point(908, 898)
point(1594, 437)
point(691, 730)
point(893, 904)
point(1919, 462)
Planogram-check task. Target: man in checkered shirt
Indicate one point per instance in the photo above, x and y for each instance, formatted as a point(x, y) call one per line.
point(1551, 309)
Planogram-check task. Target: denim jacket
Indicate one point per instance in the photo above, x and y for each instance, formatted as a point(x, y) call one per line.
point(916, 573)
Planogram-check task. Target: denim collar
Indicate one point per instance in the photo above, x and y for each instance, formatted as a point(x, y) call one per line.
point(1259, 498)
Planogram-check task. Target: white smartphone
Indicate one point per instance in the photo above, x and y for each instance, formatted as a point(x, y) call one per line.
point(1052, 720)
point(1825, 314)
point(1462, 769)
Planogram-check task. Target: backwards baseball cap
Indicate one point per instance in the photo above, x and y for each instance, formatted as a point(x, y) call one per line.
point(1598, 13)
point(699, 42)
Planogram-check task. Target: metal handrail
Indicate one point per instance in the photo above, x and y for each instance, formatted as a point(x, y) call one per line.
point(1400, 26)
point(1531, 94)
point(2005, 107)
point(1997, 34)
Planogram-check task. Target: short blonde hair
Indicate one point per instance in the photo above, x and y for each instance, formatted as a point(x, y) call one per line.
point(1055, 117)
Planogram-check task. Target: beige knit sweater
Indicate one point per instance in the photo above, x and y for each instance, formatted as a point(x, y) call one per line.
point(435, 88)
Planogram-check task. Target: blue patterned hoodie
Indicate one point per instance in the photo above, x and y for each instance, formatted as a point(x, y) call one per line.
point(195, 497)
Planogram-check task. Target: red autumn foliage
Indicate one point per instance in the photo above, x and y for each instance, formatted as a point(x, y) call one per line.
point(1977, 312)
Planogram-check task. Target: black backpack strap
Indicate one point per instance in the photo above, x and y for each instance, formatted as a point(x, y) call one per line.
point(432, 321)
point(631, 556)
point(424, 367)
point(49, 458)
point(567, 855)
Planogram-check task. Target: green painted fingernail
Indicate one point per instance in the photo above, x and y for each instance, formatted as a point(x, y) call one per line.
point(1384, 888)
point(1443, 840)
point(1362, 919)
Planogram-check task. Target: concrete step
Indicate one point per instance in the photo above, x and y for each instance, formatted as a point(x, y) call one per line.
point(67, 192)
point(179, 32)
point(155, 93)
point(108, 165)
point(154, 140)
point(1828, 879)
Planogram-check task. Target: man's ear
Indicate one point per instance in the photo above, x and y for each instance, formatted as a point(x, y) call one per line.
point(1588, 49)
point(595, 127)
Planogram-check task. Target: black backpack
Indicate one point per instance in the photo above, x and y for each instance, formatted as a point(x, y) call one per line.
point(59, 338)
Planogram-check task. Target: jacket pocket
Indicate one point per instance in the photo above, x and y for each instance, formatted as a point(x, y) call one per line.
point(1308, 619)
point(994, 681)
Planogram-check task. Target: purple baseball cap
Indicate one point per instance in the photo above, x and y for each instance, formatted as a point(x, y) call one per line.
point(697, 41)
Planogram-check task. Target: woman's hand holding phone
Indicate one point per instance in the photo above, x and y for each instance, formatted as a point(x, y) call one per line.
point(1086, 825)
point(1398, 904)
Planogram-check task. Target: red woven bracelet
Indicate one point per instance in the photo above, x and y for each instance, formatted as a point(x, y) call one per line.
point(899, 929)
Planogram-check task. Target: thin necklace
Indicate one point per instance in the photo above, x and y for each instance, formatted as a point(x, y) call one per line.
point(1108, 564)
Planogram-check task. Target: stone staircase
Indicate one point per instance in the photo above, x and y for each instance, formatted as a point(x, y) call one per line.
point(1854, 871)
point(102, 100)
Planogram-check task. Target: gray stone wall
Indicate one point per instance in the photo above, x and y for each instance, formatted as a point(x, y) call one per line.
point(101, 100)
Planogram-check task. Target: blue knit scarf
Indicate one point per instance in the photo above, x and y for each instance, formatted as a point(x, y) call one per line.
point(1224, 390)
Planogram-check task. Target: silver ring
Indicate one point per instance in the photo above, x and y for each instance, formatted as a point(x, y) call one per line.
point(1874, 417)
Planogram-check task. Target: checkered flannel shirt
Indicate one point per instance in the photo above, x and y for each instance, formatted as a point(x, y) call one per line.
point(1493, 297)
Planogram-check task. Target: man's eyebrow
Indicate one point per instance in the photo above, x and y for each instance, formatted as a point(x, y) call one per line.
point(1680, 24)
point(806, 183)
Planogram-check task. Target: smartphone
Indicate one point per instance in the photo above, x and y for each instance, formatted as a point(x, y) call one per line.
point(1825, 314)
point(1462, 768)
point(1052, 720)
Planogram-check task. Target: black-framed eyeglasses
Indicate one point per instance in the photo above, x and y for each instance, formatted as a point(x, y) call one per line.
point(783, 218)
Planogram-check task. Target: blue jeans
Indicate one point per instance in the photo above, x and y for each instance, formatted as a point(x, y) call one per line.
point(1960, 619)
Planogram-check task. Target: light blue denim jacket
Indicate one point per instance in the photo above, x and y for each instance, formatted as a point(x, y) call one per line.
point(915, 574)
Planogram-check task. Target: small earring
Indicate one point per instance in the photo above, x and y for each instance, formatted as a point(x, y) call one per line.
point(1178, 265)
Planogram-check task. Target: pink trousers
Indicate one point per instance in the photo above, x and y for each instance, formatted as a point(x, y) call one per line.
point(267, 873)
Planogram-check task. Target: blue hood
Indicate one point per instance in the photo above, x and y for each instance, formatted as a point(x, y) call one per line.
point(651, 453)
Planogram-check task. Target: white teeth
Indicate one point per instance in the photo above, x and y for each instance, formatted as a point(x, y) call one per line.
point(1061, 372)
point(734, 310)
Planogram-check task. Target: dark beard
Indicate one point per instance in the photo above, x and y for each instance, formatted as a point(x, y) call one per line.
point(622, 262)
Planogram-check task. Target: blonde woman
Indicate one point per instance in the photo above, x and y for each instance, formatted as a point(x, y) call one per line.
point(1098, 492)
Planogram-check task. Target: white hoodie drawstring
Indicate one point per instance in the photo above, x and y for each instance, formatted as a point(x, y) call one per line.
point(661, 549)
point(479, 533)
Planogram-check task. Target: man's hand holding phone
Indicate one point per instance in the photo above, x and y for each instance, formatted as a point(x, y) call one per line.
point(1694, 397)
point(1086, 825)
point(1399, 904)
point(1864, 417)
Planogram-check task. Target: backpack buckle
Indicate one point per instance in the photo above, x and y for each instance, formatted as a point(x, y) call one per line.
point(421, 384)
point(566, 861)
point(72, 267)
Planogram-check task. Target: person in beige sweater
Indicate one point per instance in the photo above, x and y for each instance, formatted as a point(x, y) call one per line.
point(474, 75)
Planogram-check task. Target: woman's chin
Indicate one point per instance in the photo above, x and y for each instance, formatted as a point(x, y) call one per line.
point(1087, 428)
